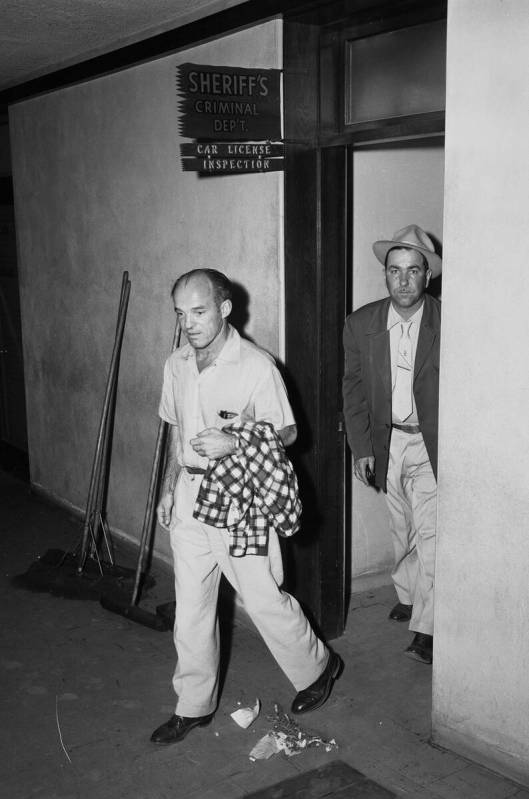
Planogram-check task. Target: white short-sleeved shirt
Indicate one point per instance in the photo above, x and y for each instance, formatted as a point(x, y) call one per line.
point(241, 385)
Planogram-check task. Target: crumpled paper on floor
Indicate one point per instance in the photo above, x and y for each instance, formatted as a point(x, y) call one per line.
point(288, 737)
point(246, 715)
point(265, 747)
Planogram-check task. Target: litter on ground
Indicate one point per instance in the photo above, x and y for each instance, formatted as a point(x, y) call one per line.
point(287, 736)
point(246, 715)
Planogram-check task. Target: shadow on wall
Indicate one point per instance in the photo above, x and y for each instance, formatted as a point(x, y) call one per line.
point(298, 452)
point(240, 312)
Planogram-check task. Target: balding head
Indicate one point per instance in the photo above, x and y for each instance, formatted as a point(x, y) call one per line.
point(219, 283)
point(201, 312)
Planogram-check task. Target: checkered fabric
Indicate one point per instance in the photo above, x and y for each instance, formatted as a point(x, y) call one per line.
point(251, 491)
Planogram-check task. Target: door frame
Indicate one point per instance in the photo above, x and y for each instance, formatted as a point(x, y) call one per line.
point(318, 247)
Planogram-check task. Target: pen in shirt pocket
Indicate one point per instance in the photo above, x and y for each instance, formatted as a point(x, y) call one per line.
point(228, 414)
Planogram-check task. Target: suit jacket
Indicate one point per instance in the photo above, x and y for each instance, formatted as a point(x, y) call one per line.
point(367, 382)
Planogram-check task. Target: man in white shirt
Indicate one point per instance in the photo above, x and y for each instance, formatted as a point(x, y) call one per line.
point(391, 395)
point(219, 379)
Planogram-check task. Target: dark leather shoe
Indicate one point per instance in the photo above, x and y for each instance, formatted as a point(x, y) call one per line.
point(421, 648)
point(401, 612)
point(177, 728)
point(316, 694)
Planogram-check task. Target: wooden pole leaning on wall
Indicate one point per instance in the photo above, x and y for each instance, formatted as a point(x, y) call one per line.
point(148, 521)
point(99, 473)
point(116, 599)
point(98, 513)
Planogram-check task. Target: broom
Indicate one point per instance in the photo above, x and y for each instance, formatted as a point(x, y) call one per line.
point(67, 574)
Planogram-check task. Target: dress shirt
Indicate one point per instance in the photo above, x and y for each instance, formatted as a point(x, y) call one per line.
point(394, 322)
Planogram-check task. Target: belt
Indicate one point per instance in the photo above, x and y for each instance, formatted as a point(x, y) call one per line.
point(194, 470)
point(407, 428)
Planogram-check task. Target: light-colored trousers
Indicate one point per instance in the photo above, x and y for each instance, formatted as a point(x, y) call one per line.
point(201, 555)
point(412, 503)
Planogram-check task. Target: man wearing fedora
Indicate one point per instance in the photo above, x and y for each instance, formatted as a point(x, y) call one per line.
point(391, 391)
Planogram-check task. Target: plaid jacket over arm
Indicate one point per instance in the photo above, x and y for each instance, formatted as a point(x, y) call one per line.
point(251, 491)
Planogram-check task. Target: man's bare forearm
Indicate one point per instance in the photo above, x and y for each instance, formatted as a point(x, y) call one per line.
point(172, 467)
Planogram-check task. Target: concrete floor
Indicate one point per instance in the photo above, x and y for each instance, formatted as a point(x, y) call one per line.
point(82, 689)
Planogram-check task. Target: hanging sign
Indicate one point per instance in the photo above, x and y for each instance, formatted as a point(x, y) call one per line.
point(231, 157)
point(229, 103)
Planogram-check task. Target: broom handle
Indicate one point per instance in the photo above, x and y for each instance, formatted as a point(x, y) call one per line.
point(110, 388)
point(103, 467)
point(100, 460)
point(95, 476)
point(146, 533)
point(96, 466)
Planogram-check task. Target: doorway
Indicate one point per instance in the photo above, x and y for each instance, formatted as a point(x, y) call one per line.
point(393, 185)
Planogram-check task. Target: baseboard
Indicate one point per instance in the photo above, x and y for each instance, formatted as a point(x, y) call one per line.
point(51, 498)
point(360, 583)
point(479, 751)
point(129, 541)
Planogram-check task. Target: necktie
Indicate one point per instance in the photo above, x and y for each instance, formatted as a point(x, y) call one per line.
point(402, 393)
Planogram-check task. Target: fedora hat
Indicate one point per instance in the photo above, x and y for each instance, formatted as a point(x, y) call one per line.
point(414, 237)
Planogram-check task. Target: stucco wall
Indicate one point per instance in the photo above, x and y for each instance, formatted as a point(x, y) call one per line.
point(393, 186)
point(99, 189)
point(481, 696)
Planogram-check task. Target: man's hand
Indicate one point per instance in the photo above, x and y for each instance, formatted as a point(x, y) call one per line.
point(164, 509)
point(364, 469)
point(288, 434)
point(213, 443)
